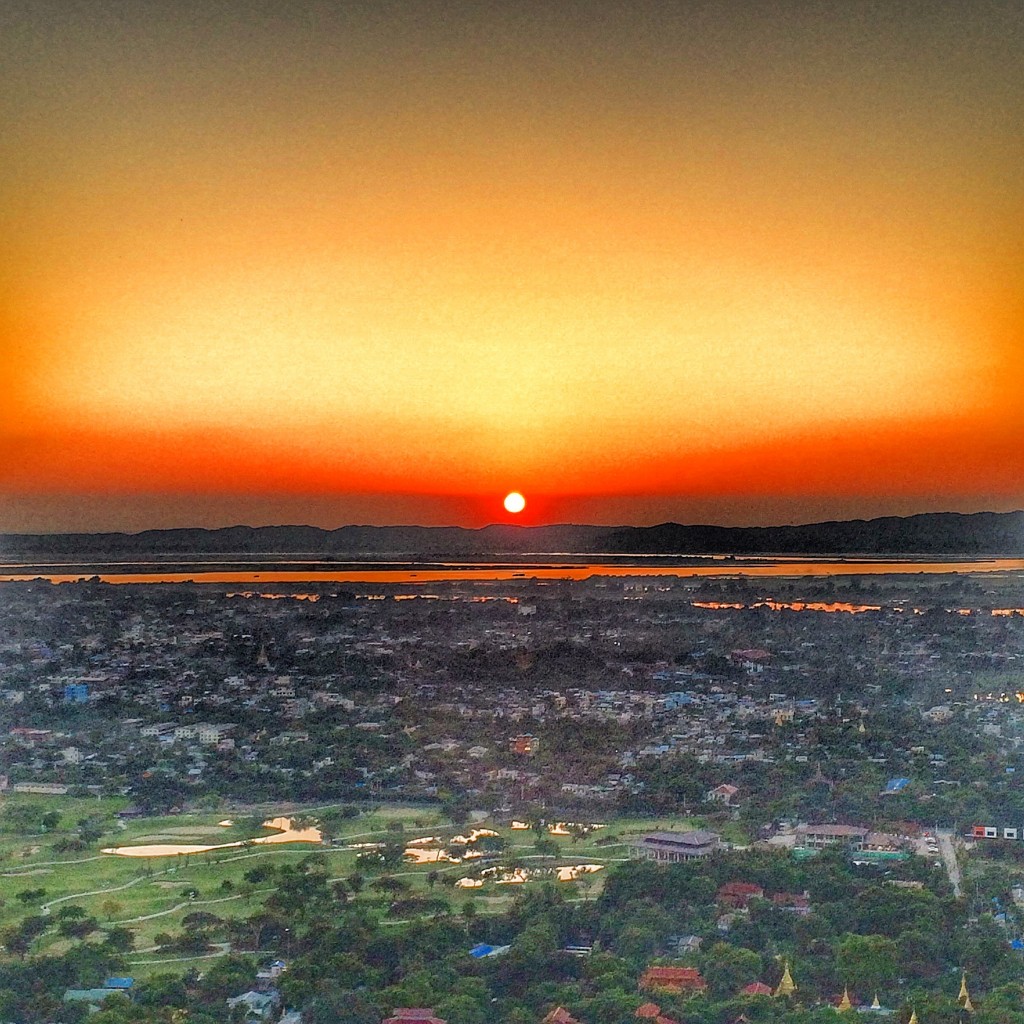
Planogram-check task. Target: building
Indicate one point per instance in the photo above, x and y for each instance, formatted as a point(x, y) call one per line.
point(817, 837)
point(672, 847)
point(679, 980)
point(413, 1015)
point(795, 902)
point(724, 794)
point(92, 996)
point(738, 894)
point(652, 1012)
point(559, 1015)
point(525, 744)
point(786, 986)
point(256, 1005)
point(896, 785)
point(752, 660)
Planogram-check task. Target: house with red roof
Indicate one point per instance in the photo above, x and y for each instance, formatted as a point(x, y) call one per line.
point(651, 1012)
point(738, 894)
point(560, 1015)
point(756, 988)
point(678, 980)
point(413, 1015)
point(794, 902)
point(724, 794)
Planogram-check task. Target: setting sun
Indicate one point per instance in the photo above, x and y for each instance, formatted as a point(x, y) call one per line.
point(514, 502)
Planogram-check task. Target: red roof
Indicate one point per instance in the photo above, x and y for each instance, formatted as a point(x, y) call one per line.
point(560, 1015)
point(679, 978)
point(648, 1010)
point(413, 1015)
point(791, 899)
point(739, 894)
point(756, 988)
point(741, 889)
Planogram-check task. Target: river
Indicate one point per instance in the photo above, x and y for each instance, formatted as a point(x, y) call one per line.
point(258, 573)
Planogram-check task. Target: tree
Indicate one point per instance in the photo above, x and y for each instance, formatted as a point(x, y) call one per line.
point(867, 963)
point(78, 928)
point(546, 847)
point(111, 909)
point(636, 943)
point(332, 1005)
point(920, 954)
point(491, 844)
point(121, 940)
point(727, 968)
point(227, 977)
point(577, 832)
point(15, 941)
point(463, 1009)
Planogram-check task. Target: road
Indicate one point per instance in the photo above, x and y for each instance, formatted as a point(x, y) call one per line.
point(945, 837)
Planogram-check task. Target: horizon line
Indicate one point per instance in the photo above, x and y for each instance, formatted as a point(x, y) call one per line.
point(495, 525)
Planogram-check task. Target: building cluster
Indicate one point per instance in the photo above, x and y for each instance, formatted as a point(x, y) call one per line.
point(404, 693)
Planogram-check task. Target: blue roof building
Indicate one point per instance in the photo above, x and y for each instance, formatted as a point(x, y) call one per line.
point(479, 951)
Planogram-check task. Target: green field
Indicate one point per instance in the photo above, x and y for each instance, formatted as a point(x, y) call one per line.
point(152, 895)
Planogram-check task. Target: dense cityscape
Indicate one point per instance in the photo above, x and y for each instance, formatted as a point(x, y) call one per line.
point(735, 782)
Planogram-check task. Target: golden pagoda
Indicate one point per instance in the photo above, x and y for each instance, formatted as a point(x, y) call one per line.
point(786, 987)
point(964, 998)
point(844, 1003)
point(913, 1017)
point(875, 1004)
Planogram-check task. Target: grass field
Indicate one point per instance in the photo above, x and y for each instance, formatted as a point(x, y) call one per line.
point(152, 895)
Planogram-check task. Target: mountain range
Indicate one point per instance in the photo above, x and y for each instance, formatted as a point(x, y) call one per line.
point(945, 533)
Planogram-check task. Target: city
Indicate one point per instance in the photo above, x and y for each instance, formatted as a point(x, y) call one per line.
point(576, 729)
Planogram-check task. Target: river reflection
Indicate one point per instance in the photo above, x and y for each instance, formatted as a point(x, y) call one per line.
point(495, 572)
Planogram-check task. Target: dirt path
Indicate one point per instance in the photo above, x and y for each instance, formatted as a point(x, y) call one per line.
point(948, 851)
point(180, 906)
point(45, 908)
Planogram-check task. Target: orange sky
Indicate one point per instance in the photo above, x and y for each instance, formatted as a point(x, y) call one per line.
point(384, 262)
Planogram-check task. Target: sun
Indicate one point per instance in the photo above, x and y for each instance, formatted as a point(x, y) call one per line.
point(514, 502)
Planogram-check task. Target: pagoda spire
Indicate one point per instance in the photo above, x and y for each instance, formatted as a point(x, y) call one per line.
point(786, 986)
point(844, 1003)
point(875, 1004)
point(913, 1017)
point(964, 998)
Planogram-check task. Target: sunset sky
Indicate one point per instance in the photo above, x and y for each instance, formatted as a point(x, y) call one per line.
point(383, 262)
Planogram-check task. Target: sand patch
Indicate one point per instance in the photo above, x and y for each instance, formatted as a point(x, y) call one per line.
point(286, 834)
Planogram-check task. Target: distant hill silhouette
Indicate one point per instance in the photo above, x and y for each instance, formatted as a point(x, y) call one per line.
point(945, 533)
point(930, 533)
